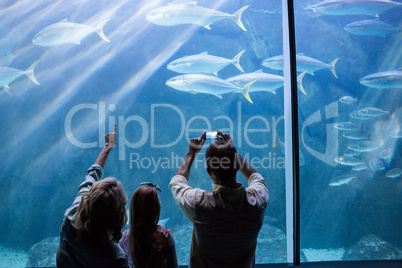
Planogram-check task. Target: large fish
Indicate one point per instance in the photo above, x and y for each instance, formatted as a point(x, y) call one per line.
point(67, 32)
point(263, 81)
point(354, 7)
point(190, 13)
point(203, 63)
point(303, 63)
point(364, 146)
point(342, 179)
point(370, 27)
point(206, 83)
point(387, 79)
point(8, 75)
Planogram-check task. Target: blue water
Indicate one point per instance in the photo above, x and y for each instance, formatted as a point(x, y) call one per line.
point(86, 88)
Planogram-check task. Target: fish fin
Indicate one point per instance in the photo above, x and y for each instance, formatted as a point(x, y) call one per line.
point(236, 61)
point(6, 89)
point(193, 92)
point(215, 73)
point(245, 91)
point(64, 20)
point(204, 53)
point(258, 71)
point(333, 66)
point(219, 96)
point(237, 17)
point(273, 92)
point(377, 16)
point(99, 30)
point(207, 27)
point(30, 71)
point(299, 82)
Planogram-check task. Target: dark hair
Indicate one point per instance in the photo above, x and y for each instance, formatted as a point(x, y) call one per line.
point(221, 158)
point(101, 214)
point(145, 209)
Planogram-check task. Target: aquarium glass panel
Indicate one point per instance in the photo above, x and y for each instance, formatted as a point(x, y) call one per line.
point(350, 129)
point(72, 69)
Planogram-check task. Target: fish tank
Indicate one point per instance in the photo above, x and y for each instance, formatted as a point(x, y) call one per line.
point(164, 71)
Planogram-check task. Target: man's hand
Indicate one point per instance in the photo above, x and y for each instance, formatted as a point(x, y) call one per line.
point(197, 143)
point(223, 136)
point(110, 138)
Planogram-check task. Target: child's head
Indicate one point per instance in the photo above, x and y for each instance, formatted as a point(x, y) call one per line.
point(102, 213)
point(145, 207)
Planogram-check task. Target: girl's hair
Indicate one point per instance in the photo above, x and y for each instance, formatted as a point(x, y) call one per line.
point(145, 209)
point(102, 214)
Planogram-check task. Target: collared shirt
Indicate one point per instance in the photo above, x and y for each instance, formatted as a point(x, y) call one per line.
point(226, 221)
point(75, 254)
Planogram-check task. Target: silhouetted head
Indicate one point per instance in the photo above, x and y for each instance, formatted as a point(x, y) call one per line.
point(221, 158)
point(102, 214)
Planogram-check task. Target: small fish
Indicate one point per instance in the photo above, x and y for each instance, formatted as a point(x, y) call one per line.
point(264, 81)
point(303, 63)
point(348, 160)
point(397, 134)
point(359, 116)
point(393, 173)
point(387, 79)
point(354, 135)
point(342, 179)
point(386, 154)
point(65, 32)
point(346, 126)
point(364, 146)
point(8, 75)
point(375, 164)
point(203, 63)
point(190, 13)
point(360, 167)
point(370, 27)
point(372, 112)
point(206, 83)
point(348, 100)
point(354, 7)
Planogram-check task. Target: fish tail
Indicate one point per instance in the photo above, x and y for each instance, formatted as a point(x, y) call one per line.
point(333, 66)
point(245, 91)
point(236, 61)
point(99, 30)
point(237, 17)
point(299, 82)
point(30, 72)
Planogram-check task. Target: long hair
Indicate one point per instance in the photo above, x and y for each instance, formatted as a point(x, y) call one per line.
point(145, 208)
point(101, 214)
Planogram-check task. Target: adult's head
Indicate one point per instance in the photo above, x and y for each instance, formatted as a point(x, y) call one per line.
point(102, 214)
point(222, 164)
point(145, 208)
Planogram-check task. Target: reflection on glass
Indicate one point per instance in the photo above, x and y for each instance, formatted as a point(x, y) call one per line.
point(350, 123)
point(162, 81)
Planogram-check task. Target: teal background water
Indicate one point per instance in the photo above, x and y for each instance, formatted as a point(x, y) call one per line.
point(124, 82)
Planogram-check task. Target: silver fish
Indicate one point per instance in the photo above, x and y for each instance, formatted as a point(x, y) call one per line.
point(342, 179)
point(364, 146)
point(263, 81)
point(303, 63)
point(359, 167)
point(206, 83)
point(394, 173)
point(387, 79)
point(386, 154)
point(354, 135)
point(8, 75)
point(372, 112)
point(190, 13)
point(370, 27)
point(65, 32)
point(348, 160)
point(354, 7)
point(348, 100)
point(203, 63)
point(359, 116)
point(347, 126)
